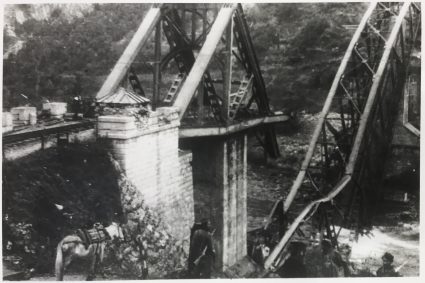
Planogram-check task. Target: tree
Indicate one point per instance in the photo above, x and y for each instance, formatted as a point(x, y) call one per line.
point(58, 50)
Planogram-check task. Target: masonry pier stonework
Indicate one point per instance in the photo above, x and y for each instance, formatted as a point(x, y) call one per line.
point(206, 180)
point(220, 192)
point(147, 150)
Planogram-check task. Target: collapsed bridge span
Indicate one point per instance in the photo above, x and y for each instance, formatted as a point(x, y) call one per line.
point(343, 166)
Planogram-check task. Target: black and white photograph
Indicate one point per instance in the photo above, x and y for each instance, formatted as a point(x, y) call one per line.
point(207, 140)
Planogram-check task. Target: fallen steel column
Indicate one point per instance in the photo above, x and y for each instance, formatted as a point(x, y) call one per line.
point(377, 79)
point(373, 88)
point(298, 181)
point(277, 251)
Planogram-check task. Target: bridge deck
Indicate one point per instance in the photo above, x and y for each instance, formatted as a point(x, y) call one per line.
point(37, 131)
point(190, 132)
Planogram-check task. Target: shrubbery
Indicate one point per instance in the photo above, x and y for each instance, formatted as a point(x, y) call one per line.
point(51, 193)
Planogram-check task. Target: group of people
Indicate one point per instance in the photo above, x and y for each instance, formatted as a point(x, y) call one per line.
point(323, 262)
point(330, 262)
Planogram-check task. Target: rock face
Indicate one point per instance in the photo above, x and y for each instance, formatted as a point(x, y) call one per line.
point(147, 240)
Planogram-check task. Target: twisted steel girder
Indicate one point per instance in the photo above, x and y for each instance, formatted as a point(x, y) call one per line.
point(345, 158)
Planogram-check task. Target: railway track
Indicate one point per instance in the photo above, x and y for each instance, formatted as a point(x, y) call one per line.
point(48, 129)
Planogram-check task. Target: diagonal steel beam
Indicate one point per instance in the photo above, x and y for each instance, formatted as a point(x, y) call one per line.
point(363, 141)
point(204, 57)
point(374, 89)
point(130, 53)
point(298, 181)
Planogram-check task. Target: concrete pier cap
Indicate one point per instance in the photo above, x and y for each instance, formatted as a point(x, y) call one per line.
point(122, 126)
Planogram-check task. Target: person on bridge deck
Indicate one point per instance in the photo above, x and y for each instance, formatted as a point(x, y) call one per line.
point(77, 105)
point(387, 270)
point(294, 267)
point(201, 252)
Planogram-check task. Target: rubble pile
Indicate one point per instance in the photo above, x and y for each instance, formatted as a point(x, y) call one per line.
point(125, 111)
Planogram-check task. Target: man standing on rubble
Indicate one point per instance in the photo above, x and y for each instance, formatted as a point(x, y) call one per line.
point(201, 252)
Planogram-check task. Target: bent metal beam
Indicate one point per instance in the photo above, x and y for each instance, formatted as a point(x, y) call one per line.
point(327, 106)
point(350, 176)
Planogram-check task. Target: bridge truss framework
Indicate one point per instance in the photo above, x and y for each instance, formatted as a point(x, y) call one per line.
point(343, 166)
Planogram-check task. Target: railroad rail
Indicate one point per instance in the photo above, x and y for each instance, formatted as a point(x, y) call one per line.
point(62, 128)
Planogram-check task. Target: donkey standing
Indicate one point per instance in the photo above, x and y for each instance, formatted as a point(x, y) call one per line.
point(74, 246)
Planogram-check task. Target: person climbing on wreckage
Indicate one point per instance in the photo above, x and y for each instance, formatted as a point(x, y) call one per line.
point(201, 251)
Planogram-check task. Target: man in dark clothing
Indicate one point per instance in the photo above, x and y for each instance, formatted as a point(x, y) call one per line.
point(260, 249)
point(77, 104)
point(294, 266)
point(387, 270)
point(201, 252)
point(329, 260)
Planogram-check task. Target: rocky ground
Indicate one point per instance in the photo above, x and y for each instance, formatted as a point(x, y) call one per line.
point(268, 181)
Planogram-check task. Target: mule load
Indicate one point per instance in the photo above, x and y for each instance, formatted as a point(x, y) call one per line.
point(89, 244)
point(95, 235)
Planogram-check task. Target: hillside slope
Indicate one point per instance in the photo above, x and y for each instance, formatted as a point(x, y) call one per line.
point(57, 51)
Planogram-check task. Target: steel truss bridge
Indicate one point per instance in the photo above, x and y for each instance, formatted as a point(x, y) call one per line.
point(203, 89)
point(342, 168)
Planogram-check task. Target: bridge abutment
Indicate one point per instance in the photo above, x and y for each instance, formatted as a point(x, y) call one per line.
point(147, 150)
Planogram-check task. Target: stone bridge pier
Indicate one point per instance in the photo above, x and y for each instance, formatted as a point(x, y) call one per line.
point(220, 192)
point(147, 150)
point(204, 178)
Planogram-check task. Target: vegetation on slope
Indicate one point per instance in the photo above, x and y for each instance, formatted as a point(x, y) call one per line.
point(79, 178)
point(299, 46)
point(52, 193)
point(62, 57)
